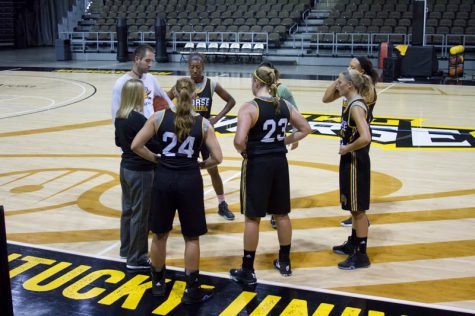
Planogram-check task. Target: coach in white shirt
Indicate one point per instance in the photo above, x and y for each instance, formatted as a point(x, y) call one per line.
point(144, 57)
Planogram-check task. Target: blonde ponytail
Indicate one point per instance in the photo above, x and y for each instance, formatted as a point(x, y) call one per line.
point(267, 76)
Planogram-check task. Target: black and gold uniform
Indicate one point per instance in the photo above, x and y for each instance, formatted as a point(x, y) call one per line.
point(204, 99)
point(265, 172)
point(202, 104)
point(369, 104)
point(178, 182)
point(355, 167)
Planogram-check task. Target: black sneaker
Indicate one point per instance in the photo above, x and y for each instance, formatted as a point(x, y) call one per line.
point(158, 282)
point(272, 222)
point(243, 276)
point(224, 211)
point(283, 267)
point(347, 222)
point(140, 266)
point(194, 295)
point(347, 248)
point(355, 261)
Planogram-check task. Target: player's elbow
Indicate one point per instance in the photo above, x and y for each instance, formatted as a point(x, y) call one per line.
point(306, 129)
point(367, 139)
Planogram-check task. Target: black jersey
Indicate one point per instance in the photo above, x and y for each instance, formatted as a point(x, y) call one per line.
point(204, 99)
point(369, 104)
point(349, 132)
point(176, 154)
point(268, 134)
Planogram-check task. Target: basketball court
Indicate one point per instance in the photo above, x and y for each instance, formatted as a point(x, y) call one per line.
point(59, 184)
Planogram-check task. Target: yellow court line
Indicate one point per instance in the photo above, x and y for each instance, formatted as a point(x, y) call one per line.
point(57, 128)
point(87, 235)
point(456, 289)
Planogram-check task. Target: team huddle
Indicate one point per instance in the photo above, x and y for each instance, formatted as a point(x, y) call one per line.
point(160, 166)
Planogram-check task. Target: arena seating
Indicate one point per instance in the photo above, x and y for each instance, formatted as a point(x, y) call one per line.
point(242, 21)
point(348, 26)
point(449, 22)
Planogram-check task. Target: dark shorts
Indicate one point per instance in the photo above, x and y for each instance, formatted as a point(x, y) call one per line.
point(265, 186)
point(355, 180)
point(180, 190)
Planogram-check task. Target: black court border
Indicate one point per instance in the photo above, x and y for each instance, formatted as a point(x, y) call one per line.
point(53, 302)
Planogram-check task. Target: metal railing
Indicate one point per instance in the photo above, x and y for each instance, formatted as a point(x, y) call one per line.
point(323, 43)
point(368, 43)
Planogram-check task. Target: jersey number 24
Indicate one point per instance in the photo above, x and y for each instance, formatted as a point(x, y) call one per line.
point(186, 148)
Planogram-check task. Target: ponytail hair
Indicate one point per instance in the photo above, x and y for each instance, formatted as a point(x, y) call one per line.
point(184, 118)
point(267, 76)
point(131, 98)
point(362, 82)
point(368, 69)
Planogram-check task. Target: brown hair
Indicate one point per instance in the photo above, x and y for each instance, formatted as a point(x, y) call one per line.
point(141, 50)
point(184, 118)
point(368, 69)
point(267, 76)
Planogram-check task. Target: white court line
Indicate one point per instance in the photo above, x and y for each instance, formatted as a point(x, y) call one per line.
point(54, 105)
point(105, 250)
point(13, 69)
point(387, 88)
point(225, 181)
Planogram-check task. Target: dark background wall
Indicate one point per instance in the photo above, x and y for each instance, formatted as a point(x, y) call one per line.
point(29, 23)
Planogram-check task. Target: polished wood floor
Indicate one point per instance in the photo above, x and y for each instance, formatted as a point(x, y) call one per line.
point(60, 188)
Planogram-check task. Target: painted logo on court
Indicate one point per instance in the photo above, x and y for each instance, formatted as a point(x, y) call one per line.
point(389, 133)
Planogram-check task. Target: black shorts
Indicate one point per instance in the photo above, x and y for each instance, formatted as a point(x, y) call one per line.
point(180, 190)
point(265, 186)
point(355, 180)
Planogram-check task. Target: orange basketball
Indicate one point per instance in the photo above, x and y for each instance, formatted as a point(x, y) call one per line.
point(159, 103)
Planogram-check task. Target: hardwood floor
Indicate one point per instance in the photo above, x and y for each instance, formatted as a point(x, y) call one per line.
point(60, 188)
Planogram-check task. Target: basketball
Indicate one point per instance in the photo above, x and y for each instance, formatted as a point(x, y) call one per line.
point(159, 103)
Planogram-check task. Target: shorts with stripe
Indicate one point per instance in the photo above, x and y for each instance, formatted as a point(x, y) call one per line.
point(181, 190)
point(355, 179)
point(265, 185)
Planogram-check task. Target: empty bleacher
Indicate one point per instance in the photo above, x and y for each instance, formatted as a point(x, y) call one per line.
point(287, 27)
point(197, 21)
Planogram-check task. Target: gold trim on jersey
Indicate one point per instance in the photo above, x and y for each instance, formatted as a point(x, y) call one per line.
point(353, 183)
point(362, 105)
point(161, 120)
point(203, 132)
point(258, 112)
point(205, 82)
point(243, 186)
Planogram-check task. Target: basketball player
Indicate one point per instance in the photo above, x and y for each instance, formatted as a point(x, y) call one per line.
point(364, 66)
point(179, 185)
point(202, 103)
point(284, 93)
point(355, 168)
point(261, 139)
point(136, 178)
point(144, 57)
